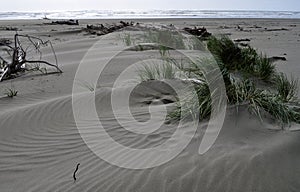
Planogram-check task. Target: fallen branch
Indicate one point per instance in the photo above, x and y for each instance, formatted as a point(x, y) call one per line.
point(19, 56)
point(45, 62)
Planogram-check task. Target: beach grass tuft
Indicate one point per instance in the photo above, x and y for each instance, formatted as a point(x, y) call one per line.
point(166, 38)
point(157, 71)
point(127, 39)
point(245, 60)
point(286, 89)
point(11, 92)
point(242, 70)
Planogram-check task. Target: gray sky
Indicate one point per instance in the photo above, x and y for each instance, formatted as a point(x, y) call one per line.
point(42, 5)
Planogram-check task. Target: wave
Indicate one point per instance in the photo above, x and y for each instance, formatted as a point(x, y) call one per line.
point(123, 14)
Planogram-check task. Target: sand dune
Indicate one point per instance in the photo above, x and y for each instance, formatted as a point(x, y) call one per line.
point(40, 144)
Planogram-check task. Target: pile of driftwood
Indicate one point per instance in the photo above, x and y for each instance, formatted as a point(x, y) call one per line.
point(103, 30)
point(17, 56)
point(199, 32)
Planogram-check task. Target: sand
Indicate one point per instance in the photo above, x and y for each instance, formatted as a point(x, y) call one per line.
point(40, 144)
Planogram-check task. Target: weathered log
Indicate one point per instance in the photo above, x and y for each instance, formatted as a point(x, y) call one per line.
point(241, 40)
point(66, 22)
point(277, 58)
point(281, 29)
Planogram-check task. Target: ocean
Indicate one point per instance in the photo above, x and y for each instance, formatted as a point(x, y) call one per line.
point(130, 14)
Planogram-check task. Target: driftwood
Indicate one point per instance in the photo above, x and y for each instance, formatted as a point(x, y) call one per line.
point(74, 174)
point(243, 44)
point(18, 56)
point(277, 58)
point(282, 29)
point(240, 28)
point(103, 30)
point(9, 29)
point(66, 22)
point(5, 42)
point(199, 32)
point(241, 40)
point(255, 27)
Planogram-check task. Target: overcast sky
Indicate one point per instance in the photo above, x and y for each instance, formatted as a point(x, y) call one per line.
point(51, 5)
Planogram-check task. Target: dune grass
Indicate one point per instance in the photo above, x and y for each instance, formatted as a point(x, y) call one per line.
point(252, 68)
point(286, 89)
point(157, 71)
point(166, 38)
point(245, 60)
point(11, 92)
point(260, 101)
point(163, 51)
point(264, 68)
point(127, 39)
point(226, 51)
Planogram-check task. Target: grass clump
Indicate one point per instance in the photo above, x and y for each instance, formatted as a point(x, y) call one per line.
point(264, 68)
point(286, 89)
point(127, 39)
point(166, 38)
point(259, 101)
point(163, 51)
point(245, 60)
point(277, 108)
point(245, 73)
point(11, 92)
point(157, 71)
point(226, 51)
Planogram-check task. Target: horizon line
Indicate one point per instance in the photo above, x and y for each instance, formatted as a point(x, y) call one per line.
point(218, 10)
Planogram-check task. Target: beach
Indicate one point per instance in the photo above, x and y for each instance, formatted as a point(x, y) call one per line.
point(40, 143)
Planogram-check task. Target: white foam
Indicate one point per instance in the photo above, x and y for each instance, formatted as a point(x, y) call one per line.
point(121, 14)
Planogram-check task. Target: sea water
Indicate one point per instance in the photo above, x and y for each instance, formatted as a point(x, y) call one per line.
point(135, 14)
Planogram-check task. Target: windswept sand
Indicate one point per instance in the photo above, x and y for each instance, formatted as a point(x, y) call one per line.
point(40, 144)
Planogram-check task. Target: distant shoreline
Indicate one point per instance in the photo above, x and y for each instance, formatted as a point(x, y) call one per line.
point(153, 14)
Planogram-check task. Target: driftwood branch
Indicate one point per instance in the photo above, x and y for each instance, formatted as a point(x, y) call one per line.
point(45, 62)
point(19, 56)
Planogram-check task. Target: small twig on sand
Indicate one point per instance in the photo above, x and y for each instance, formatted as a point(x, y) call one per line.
point(74, 174)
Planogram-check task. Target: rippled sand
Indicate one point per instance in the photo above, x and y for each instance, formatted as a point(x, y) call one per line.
point(40, 144)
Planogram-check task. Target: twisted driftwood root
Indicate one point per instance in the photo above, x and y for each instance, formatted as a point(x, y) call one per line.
point(19, 56)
